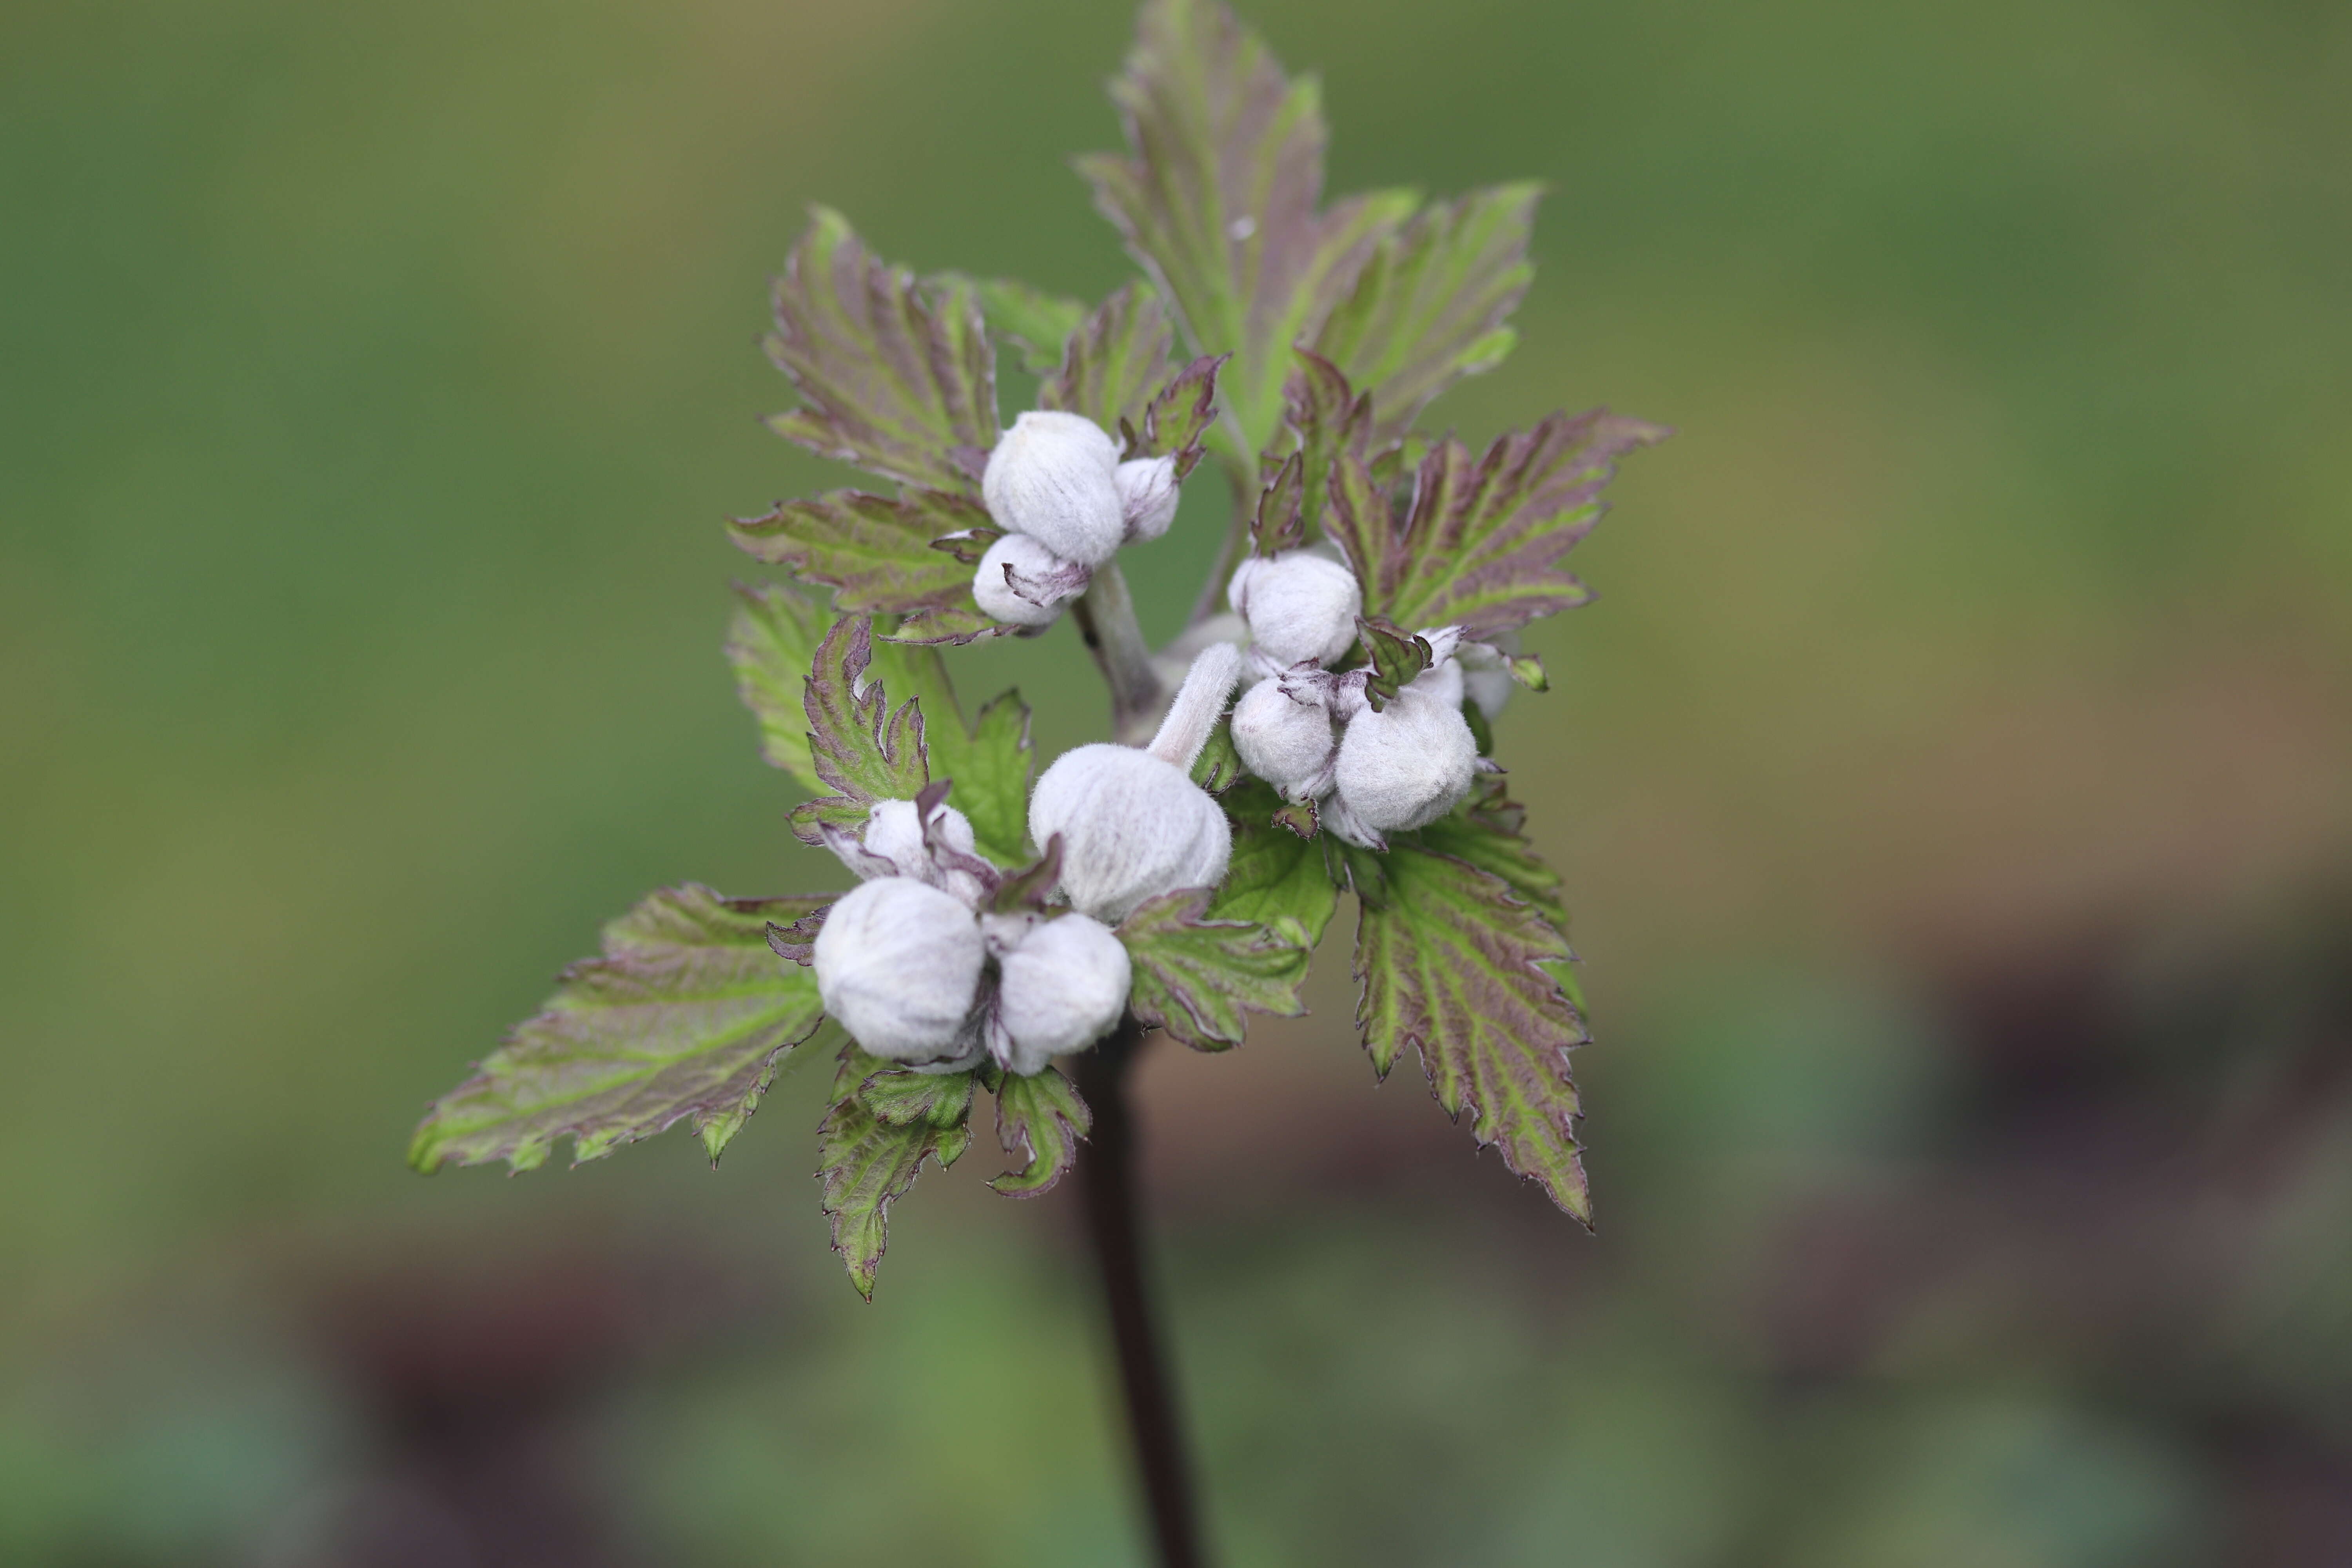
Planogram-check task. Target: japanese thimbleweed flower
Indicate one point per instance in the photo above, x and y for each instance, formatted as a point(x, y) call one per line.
point(1024, 944)
point(898, 962)
point(1054, 477)
point(1132, 823)
point(1299, 605)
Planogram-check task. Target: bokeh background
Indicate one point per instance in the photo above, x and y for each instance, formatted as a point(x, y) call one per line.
point(1953, 782)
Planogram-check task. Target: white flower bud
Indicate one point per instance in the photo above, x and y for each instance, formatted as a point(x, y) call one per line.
point(1021, 582)
point(1147, 495)
point(1410, 763)
point(1051, 476)
point(1133, 825)
point(1486, 672)
point(1285, 738)
point(1299, 605)
point(894, 832)
point(897, 964)
point(1065, 985)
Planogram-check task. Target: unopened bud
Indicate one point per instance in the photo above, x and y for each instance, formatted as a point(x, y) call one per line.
point(1147, 496)
point(1285, 738)
point(1021, 582)
point(1486, 672)
point(1050, 476)
point(897, 964)
point(1299, 605)
point(894, 831)
point(1410, 763)
point(1133, 825)
point(1065, 985)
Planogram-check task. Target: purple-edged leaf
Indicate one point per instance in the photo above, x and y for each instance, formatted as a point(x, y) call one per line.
point(901, 1097)
point(1480, 546)
point(877, 552)
point(858, 745)
point(683, 1017)
point(1453, 961)
point(1276, 877)
point(1039, 1122)
point(1329, 424)
point(1030, 888)
point(1397, 657)
point(1428, 308)
point(867, 1164)
point(1281, 523)
point(772, 644)
point(1115, 361)
point(1218, 200)
point(899, 382)
point(796, 943)
point(1177, 420)
point(1194, 975)
point(1035, 323)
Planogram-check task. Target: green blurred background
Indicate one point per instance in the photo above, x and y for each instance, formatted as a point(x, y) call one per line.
point(1951, 781)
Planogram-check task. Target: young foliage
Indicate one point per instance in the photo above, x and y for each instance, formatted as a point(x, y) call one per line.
point(1429, 306)
point(859, 746)
point(872, 1146)
point(1115, 361)
point(1453, 961)
point(1040, 1121)
point(1035, 323)
point(895, 381)
point(1277, 878)
point(895, 556)
point(683, 1017)
point(1194, 975)
point(1219, 200)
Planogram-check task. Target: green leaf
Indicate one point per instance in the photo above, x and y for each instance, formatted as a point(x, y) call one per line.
point(1480, 546)
point(901, 1097)
point(1326, 418)
point(772, 645)
point(1039, 1121)
point(1032, 320)
point(898, 383)
point(989, 761)
point(1219, 202)
point(1488, 832)
point(1280, 523)
point(684, 1016)
point(1219, 766)
point(1397, 657)
point(1454, 962)
point(897, 556)
point(1194, 975)
point(858, 746)
point(867, 1164)
point(1115, 361)
point(1179, 416)
point(1428, 308)
point(1277, 878)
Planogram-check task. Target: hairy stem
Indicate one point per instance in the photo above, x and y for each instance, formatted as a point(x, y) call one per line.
point(1106, 617)
point(1107, 1185)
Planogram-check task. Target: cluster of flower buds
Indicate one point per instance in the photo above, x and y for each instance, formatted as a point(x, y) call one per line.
point(1056, 486)
point(1315, 735)
point(915, 967)
point(921, 968)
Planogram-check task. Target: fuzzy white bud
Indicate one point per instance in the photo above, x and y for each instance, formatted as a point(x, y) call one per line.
point(1021, 582)
point(897, 964)
point(1486, 672)
point(1065, 985)
point(1285, 738)
point(1147, 495)
point(1051, 476)
point(894, 831)
point(1133, 825)
point(1412, 762)
point(1299, 605)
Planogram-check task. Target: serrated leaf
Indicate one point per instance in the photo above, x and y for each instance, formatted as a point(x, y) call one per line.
point(1039, 1121)
point(1115, 361)
point(1454, 962)
point(877, 552)
point(1194, 975)
point(899, 384)
point(1178, 419)
point(1397, 657)
point(1219, 199)
point(1275, 878)
point(1429, 306)
point(867, 1164)
point(1488, 832)
point(989, 761)
point(1480, 545)
point(901, 1097)
point(1034, 322)
point(683, 1017)
point(772, 644)
point(858, 745)
point(1280, 523)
